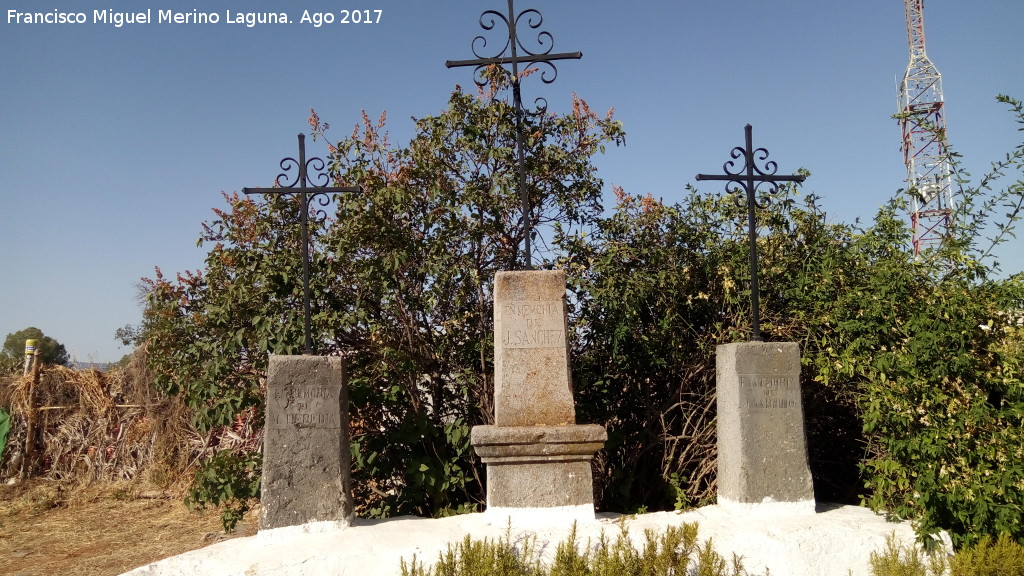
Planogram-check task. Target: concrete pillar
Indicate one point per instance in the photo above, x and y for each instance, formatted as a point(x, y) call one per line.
point(762, 451)
point(307, 477)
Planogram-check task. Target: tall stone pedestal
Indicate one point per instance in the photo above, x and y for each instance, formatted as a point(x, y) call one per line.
point(307, 478)
point(762, 451)
point(537, 457)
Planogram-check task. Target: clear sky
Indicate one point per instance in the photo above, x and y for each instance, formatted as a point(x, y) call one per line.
point(116, 142)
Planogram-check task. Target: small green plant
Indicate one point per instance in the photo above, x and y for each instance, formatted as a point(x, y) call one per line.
point(485, 557)
point(988, 558)
point(229, 481)
point(673, 552)
point(899, 560)
point(677, 482)
point(1002, 557)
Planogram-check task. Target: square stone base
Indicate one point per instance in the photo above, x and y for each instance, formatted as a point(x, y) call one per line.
point(534, 467)
point(306, 460)
point(762, 451)
point(540, 484)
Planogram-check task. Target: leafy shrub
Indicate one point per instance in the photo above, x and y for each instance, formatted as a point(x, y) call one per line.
point(230, 481)
point(935, 347)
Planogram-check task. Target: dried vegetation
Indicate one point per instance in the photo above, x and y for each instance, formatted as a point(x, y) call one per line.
point(84, 426)
point(96, 487)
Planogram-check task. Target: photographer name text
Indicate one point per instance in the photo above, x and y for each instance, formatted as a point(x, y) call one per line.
point(150, 16)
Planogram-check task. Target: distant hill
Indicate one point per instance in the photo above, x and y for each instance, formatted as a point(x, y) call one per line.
point(101, 366)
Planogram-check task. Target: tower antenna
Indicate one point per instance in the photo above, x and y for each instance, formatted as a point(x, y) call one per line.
point(925, 150)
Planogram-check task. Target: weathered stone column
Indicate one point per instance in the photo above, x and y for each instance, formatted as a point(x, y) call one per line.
point(537, 457)
point(762, 451)
point(532, 383)
point(306, 460)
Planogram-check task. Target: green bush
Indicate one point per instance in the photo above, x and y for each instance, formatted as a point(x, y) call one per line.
point(230, 481)
point(676, 551)
point(1001, 557)
point(934, 345)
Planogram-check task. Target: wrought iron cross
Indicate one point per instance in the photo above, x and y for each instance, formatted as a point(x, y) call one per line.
point(749, 177)
point(319, 191)
point(514, 52)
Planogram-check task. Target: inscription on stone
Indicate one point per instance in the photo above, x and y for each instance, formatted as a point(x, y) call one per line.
point(768, 393)
point(298, 406)
point(532, 324)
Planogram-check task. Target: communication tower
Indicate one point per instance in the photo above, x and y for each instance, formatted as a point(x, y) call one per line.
point(925, 151)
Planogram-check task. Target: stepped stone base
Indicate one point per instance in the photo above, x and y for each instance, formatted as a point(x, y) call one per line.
point(537, 457)
point(538, 466)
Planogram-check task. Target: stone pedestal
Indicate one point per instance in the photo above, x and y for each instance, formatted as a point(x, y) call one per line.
point(307, 478)
point(762, 451)
point(539, 466)
point(537, 457)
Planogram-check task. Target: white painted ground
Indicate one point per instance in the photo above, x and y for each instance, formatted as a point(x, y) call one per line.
point(835, 541)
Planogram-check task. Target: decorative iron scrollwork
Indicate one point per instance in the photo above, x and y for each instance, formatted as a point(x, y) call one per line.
point(514, 52)
point(770, 168)
point(513, 43)
point(308, 180)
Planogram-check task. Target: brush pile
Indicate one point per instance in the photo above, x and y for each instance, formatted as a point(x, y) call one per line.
point(84, 426)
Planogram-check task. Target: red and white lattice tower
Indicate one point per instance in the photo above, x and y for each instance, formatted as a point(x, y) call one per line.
point(925, 152)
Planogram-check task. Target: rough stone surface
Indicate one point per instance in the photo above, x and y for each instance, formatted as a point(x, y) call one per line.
point(532, 383)
point(306, 461)
point(539, 466)
point(762, 451)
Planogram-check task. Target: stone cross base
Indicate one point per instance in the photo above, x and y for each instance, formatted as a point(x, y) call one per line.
point(762, 451)
point(539, 467)
point(307, 473)
point(537, 457)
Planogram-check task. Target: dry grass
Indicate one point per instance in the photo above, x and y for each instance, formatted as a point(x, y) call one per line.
point(48, 528)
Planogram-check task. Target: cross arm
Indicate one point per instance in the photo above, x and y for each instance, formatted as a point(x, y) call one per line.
point(314, 190)
point(756, 178)
point(514, 59)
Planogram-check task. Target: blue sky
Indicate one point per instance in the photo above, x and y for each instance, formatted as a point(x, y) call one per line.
point(117, 142)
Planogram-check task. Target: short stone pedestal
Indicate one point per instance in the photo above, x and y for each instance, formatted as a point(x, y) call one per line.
point(306, 461)
point(537, 457)
point(762, 451)
point(539, 466)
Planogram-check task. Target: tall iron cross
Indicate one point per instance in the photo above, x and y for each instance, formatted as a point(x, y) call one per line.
point(514, 52)
point(307, 193)
point(749, 177)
